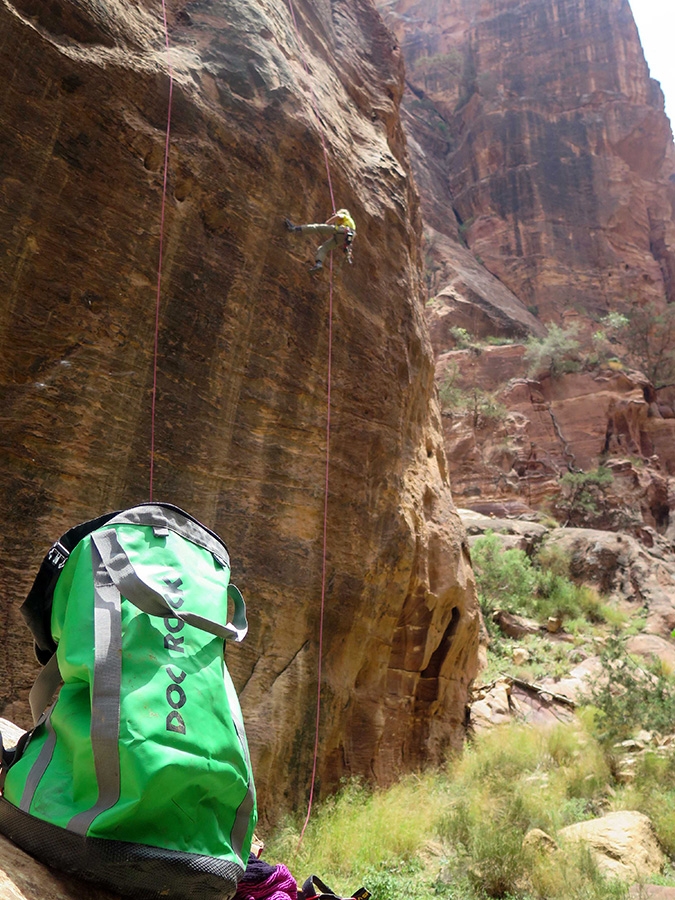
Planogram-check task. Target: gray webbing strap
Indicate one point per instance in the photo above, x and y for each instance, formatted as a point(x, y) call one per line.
point(148, 600)
point(39, 767)
point(158, 516)
point(44, 688)
point(242, 818)
point(105, 704)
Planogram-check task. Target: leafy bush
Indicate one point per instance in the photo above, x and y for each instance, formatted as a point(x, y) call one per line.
point(508, 579)
point(480, 406)
point(557, 352)
point(650, 341)
point(464, 340)
point(645, 339)
point(505, 579)
point(627, 697)
point(583, 494)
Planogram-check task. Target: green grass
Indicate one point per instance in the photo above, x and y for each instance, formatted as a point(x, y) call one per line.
point(459, 833)
point(380, 838)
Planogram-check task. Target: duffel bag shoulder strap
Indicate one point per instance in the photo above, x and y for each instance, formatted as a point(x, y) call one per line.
point(37, 607)
point(130, 585)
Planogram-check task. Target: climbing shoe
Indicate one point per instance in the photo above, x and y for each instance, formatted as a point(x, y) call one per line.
point(316, 267)
point(291, 226)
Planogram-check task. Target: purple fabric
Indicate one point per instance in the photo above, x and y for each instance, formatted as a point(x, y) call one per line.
point(257, 870)
point(280, 885)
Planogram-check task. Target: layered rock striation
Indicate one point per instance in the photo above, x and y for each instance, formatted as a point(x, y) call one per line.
point(539, 136)
point(243, 349)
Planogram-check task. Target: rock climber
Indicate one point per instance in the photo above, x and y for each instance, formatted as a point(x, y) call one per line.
point(341, 228)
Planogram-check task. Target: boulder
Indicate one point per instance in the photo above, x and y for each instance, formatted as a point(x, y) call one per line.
point(492, 706)
point(622, 843)
point(631, 574)
point(654, 648)
point(539, 841)
point(514, 626)
point(521, 533)
point(651, 892)
point(24, 878)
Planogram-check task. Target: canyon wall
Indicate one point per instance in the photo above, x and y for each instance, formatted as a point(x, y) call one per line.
point(540, 141)
point(546, 169)
point(243, 346)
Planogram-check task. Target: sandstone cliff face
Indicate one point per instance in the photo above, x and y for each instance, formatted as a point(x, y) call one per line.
point(243, 346)
point(538, 133)
point(511, 463)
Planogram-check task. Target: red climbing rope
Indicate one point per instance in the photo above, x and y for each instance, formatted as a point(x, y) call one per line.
point(328, 403)
point(161, 253)
point(329, 375)
point(325, 544)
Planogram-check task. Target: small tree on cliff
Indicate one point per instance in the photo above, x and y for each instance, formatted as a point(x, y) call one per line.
point(557, 352)
point(650, 341)
point(583, 496)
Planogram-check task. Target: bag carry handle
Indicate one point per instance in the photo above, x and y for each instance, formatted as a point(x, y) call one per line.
point(132, 587)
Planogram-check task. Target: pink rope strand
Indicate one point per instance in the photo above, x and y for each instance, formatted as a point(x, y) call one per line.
point(328, 403)
point(325, 544)
point(161, 253)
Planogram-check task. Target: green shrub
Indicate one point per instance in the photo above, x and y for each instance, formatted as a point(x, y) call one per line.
point(508, 579)
point(583, 495)
point(505, 578)
point(464, 340)
point(626, 696)
point(557, 352)
point(480, 406)
point(650, 341)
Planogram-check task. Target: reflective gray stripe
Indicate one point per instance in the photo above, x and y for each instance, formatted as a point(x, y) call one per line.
point(159, 516)
point(148, 600)
point(242, 820)
point(105, 701)
point(39, 767)
point(44, 688)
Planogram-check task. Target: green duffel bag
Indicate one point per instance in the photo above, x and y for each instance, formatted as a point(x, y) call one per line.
point(137, 777)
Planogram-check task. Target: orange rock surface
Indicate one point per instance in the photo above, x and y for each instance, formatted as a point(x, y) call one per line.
point(540, 141)
point(243, 343)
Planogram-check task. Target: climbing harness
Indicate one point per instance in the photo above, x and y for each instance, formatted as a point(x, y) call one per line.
point(161, 251)
point(349, 240)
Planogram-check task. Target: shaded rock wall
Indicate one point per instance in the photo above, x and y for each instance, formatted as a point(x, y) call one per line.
point(243, 346)
point(542, 139)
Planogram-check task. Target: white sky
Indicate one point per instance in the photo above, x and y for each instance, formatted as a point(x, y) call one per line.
point(655, 20)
